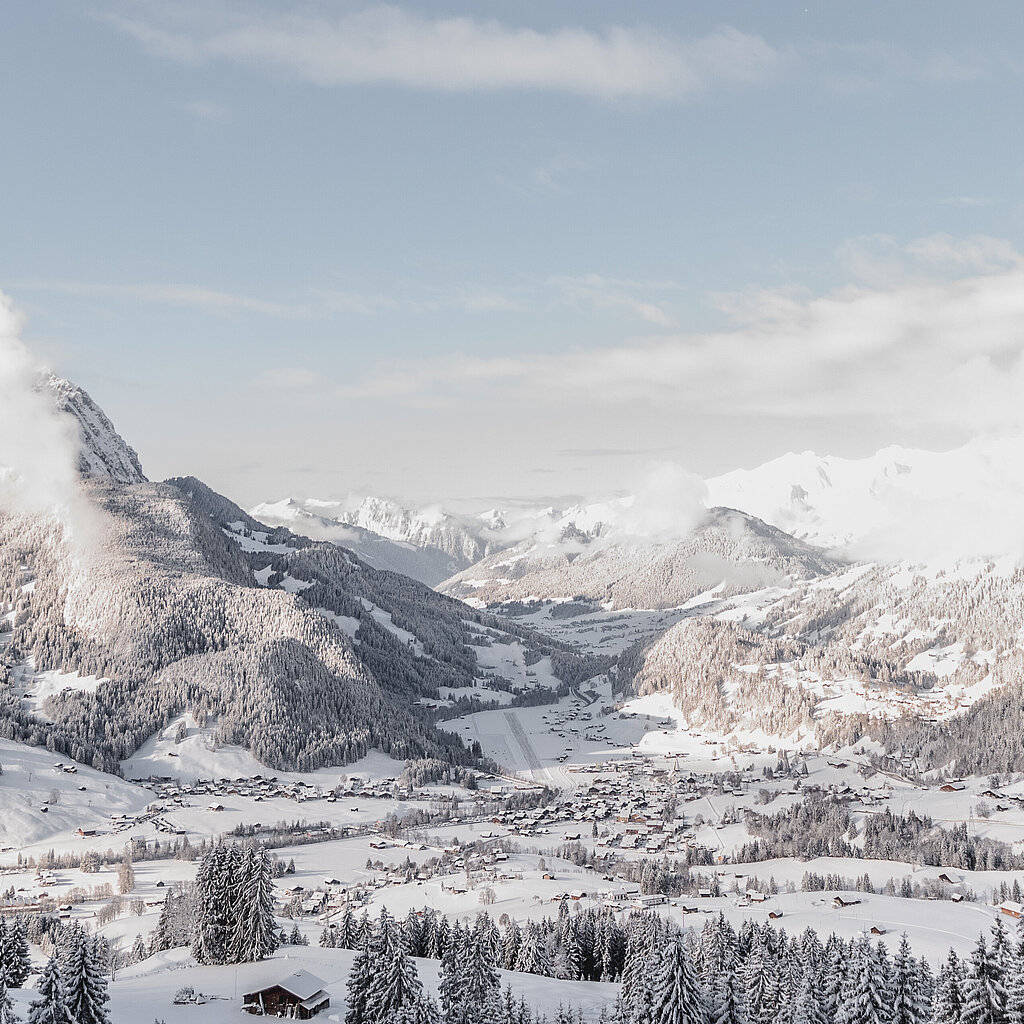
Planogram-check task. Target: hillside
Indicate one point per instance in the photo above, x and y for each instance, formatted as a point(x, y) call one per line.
point(727, 549)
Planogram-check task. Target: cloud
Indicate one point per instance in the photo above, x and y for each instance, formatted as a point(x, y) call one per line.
point(396, 46)
point(38, 446)
point(668, 502)
point(932, 347)
point(208, 110)
point(185, 295)
point(607, 293)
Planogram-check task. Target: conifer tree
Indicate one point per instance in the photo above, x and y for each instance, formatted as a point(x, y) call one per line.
point(984, 990)
point(7, 1014)
point(84, 984)
point(676, 995)
point(727, 1002)
point(948, 1000)
point(394, 984)
point(910, 998)
point(808, 1008)
point(866, 997)
point(359, 981)
point(51, 1006)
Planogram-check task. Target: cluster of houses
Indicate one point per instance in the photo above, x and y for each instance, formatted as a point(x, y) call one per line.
point(260, 787)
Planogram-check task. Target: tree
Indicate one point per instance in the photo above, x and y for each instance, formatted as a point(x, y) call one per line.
point(867, 996)
point(126, 876)
point(85, 985)
point(394, 985)
point(359, 980)
point(7, 1014)
point(910, 1002)
point(948, 1003)
point(984, 990)
point(51, 1006)
point(252, 916)
point(676, 996)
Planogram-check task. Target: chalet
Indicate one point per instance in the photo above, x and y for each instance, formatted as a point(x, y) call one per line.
point(875, 930)
point(774, 915)
point(839, 901)
point(948, 878)
point(1012, 908)
point(952, 787)
point(755, 896)
point(299, 995)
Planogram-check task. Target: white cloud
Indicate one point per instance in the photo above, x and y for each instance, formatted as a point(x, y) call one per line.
point(397, 46)
point(186, 295)
point(922, 351)
point(38, 447)
point(607, 293)
point(208, 110)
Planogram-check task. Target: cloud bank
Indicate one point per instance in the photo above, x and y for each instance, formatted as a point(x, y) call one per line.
point(937, 339)
point(38, 447)
point(397, 46)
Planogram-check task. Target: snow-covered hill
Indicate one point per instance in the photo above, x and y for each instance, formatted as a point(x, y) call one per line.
point(898, 504)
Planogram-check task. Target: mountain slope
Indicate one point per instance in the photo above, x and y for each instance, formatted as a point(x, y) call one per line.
point(102, 451)
point(727, 549)
point(427, 555)
point(897, 504)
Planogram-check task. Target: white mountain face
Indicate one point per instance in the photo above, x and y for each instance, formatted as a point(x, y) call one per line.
point(103, 452)
point(428, 545)
point(898, 504)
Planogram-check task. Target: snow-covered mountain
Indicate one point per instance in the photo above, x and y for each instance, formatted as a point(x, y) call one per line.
point(103, 452)
point(606, 562)
point(898, 504)
point(429, 545)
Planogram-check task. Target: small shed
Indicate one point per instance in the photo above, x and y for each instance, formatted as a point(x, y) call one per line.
point(299, 995)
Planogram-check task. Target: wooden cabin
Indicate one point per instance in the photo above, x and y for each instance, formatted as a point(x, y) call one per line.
point(298, 996)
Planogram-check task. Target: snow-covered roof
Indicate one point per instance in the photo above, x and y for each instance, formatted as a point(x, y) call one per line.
point(300, 984)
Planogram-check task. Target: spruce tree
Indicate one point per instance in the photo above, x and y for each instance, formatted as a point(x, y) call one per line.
point(910, 1002)
point(359, 980)
point(7, 1014)
point(51, 1006)
point(984, 990)
point(676, 996)
point(866, 997)
point(394, 985)
point(948, 999)
point(84, 984)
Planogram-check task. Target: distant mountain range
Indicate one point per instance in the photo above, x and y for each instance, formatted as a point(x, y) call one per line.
point(288, 632)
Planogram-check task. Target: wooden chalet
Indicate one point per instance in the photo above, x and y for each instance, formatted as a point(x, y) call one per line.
point(297, 996)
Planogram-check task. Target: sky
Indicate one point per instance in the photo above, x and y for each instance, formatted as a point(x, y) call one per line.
point(460, 252)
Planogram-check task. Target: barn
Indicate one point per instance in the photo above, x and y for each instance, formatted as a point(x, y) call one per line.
point(299, 995)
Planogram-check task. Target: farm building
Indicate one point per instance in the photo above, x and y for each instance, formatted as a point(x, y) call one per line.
point(299, 995)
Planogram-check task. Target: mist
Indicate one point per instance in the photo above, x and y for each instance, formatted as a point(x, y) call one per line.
point(38, 446)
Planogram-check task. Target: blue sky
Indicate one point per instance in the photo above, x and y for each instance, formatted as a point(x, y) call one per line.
point(493, 249)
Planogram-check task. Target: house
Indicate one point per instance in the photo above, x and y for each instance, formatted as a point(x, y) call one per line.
point(948, 878)
point(875, 930)
point(774, 915)
point(299, 995)
point(1012, 909)
point(952, 787)
point(839, 901)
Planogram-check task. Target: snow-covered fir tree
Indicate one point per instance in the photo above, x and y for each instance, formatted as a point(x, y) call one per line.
point(7, 1014)
point(84, 984)
point(676, 994)
point(984, 989)
point(51, 1005)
